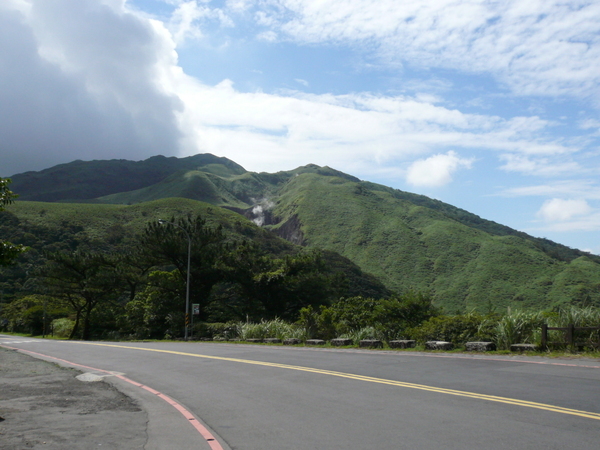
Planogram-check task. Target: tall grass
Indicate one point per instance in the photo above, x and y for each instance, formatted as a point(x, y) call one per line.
point(579, 317)
point(360, 334)
point(275, 328)
point(518, 327)
point(586, 316)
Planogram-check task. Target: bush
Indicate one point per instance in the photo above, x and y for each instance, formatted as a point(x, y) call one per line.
point(393, 317)
point(62, 327)
point(317, 325)
point(219, 330)
point(353, 313)
point(390, 317)
point(457, 329)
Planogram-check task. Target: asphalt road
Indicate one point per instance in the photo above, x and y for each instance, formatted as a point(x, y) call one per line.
point(273, 397)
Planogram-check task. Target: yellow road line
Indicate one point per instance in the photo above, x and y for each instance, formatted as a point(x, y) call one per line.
point(422, 387)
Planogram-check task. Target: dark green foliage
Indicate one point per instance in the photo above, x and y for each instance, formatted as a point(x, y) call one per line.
point(233, 262)
point(389, 317)
point(457, 329)
point(263, 287)
point(353, 313)
point(393, 316)
point(318, 325)
point(158, 310)
point(26, 315)
point(81, 281)
point(167, 243)
point(8, 251)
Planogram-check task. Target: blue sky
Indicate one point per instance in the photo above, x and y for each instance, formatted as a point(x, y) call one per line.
point(490, 106)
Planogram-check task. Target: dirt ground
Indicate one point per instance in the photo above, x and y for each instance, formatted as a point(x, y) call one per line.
point(43, 405)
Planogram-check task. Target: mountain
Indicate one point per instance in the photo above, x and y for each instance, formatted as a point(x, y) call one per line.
point(407, 240)
point(86, 180)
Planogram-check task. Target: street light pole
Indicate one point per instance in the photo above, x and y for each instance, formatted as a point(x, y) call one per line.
point(187, 282)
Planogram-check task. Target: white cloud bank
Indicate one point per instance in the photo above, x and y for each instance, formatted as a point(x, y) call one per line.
point(540, 47)
point(82, 79)
point(89, 79)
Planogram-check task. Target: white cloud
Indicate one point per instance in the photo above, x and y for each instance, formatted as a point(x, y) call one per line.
point(568, 215)
point(107, 84)
point(353, 132)
point(591, 124)
point(581, 188)
point(81, 79)
point(187, 20)
point(436, 170)
point(540, 166)
point(560, 210)
point(547, 47)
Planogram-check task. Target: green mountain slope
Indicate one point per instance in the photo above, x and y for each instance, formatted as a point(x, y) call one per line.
point(86, 180)
point(407, 240)
point(413, 246)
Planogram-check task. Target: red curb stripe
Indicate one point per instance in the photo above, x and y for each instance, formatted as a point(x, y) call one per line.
point(210, 439)
point(207, 435)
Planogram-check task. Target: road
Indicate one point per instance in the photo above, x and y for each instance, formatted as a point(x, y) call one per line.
point(274, 397)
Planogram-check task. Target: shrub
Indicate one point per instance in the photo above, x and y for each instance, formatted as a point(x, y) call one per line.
point(457, 329)
point(62, 327)
point(353, 313)
point(217, 330)
point(317, 325)
point(392, 317)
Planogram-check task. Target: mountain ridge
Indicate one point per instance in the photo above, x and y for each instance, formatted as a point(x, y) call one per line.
point(407, 240)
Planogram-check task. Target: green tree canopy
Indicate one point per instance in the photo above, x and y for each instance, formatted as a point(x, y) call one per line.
point(82, 281)
point(166, 243)
point(8, 251)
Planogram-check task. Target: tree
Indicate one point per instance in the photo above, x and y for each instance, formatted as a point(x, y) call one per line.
point(8, 251)
point(156, 311)
point(167, 244)
point(83, 281)
point(270, 288)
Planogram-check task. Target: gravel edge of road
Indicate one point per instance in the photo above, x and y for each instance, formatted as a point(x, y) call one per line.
point(44, 405)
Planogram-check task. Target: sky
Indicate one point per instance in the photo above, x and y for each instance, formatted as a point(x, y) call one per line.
point(491, 106)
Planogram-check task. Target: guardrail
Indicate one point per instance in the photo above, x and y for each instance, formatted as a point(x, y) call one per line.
point(570, 336)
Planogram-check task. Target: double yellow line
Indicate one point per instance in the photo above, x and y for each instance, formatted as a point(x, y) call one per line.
point(422, 387)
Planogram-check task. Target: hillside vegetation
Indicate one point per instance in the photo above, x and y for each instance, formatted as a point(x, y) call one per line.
point(407, 240)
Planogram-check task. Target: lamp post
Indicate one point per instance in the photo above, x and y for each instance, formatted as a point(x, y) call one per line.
point(187, 282)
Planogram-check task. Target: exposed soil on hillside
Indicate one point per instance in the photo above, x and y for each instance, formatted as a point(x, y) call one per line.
point(43, 405)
